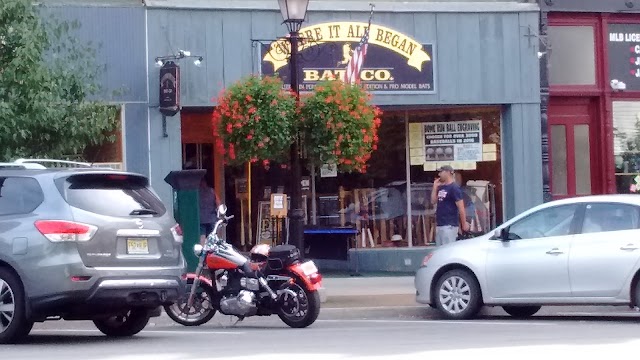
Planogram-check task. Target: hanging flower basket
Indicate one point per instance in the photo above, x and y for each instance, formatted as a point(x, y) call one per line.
point(254, 120)
point(340, 126)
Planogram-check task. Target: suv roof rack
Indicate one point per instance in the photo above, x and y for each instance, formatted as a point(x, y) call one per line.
point(13, 165)
point(41, 164)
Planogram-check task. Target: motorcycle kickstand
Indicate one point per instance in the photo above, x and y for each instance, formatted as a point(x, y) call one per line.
point(237, 321)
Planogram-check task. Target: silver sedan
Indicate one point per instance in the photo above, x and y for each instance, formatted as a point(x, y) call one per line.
point(578, 251)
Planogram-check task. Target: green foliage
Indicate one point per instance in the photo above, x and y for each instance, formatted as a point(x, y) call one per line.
point(340, 126)
point(254, 120)
point(46, 79)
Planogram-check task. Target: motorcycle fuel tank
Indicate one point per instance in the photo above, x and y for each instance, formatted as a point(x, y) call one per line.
point(217, 262)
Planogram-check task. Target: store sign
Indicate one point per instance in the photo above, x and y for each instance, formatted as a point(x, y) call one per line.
point(624, 56)
point(453, 141)
point(170, 88)
point(394, 62)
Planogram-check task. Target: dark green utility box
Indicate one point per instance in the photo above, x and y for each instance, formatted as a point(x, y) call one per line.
point(186, 209)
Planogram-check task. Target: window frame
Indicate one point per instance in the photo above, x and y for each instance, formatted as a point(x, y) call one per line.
point(596, 24)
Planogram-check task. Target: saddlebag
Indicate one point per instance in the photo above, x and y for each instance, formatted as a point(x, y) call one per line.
point(282, 256)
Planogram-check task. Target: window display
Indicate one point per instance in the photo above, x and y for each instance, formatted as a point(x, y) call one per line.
point(473, 135)
point(626, 145)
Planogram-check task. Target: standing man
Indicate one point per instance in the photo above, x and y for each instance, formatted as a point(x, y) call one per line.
point(447, 197)
point(208, 207)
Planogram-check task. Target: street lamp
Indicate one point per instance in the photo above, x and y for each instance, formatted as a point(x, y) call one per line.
point(293, 14)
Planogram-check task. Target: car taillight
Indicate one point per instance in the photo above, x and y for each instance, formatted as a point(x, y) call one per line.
point(315, 278)
point(61, 230)
point(426, 259)
point(176, 231)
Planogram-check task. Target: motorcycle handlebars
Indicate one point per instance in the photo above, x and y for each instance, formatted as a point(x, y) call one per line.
point(223, 220)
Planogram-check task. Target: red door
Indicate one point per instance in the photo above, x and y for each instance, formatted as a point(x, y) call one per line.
point(572, 145)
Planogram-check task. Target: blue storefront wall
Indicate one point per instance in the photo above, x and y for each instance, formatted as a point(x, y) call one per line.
point(484, 54)
point(117, 32)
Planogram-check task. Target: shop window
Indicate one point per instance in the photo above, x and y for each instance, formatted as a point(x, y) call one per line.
point(572, 58)
point(374, 202)
point(469, 141)
point(626, 145)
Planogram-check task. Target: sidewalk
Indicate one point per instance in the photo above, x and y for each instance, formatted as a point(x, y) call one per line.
point(366, 291)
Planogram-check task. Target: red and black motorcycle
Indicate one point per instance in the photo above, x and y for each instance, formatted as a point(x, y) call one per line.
point(273, 281)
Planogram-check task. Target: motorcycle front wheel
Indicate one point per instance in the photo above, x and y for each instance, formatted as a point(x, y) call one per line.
point(299, 310)
point(200, 312)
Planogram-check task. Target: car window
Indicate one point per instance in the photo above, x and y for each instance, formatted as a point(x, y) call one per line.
point(19, 195)
point(555, 221)
point(112, 195)
point(610, 217)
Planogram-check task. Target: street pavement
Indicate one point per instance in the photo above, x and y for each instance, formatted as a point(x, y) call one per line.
point(358, 321)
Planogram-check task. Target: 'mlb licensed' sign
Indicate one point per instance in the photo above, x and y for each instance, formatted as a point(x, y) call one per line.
point(394, 62)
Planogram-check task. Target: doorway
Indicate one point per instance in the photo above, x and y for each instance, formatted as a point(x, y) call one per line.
point(198, 152)
point(572, 137)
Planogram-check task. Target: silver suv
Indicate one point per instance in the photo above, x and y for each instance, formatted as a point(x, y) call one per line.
point(84, 244)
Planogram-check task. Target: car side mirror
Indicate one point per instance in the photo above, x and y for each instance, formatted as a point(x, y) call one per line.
point(505, 235)
point(501, 234)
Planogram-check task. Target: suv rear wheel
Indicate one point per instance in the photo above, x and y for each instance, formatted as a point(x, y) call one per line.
point(128, 324)
point(14, 325)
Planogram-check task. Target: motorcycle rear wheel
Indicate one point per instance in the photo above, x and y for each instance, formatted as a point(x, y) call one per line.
point(201, 310)
point(301, 311)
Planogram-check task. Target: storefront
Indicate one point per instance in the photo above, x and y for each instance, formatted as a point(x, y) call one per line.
point(593, 52)
point(456, 87)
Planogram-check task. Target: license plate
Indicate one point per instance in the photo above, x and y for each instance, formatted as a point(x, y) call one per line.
point(309, 268)
point(137, 246)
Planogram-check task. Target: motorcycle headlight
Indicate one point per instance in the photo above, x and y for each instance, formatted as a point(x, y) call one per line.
point(197, 249)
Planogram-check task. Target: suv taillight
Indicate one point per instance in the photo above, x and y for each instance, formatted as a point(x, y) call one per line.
point(61, 231)
point(176, 230)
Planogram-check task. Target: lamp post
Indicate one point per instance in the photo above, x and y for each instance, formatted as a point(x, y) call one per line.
point(293, 14)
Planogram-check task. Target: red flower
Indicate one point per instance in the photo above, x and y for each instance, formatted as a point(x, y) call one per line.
point(249, 137)
point(249, 98)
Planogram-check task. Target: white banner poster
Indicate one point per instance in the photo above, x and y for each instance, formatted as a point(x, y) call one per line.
point(453, 141)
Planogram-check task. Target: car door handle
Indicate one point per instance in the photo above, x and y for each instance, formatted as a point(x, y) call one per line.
point(555, 251)
point(629, 247)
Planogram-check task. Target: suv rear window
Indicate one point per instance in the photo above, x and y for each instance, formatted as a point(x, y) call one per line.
point(112, 195)
point(19, 195)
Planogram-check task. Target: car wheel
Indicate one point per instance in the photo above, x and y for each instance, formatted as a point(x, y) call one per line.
point(458, 295)
point(128, 324)
point(521, 312)
point(14, 326)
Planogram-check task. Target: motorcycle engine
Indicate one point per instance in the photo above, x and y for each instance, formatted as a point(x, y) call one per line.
point(242, 305)
point(250, 284)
